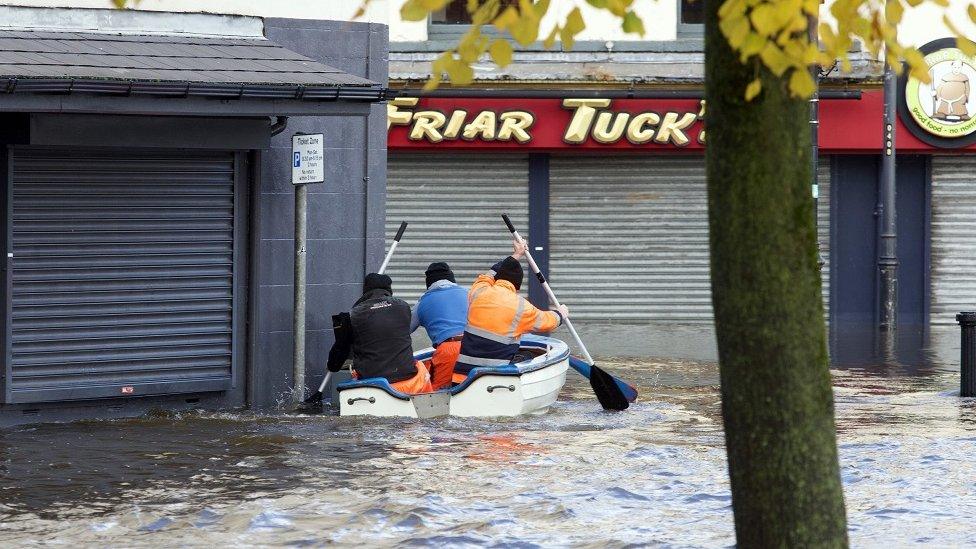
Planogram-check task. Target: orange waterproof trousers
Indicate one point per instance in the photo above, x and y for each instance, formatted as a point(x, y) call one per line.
point(442, 363)
point(419, 383)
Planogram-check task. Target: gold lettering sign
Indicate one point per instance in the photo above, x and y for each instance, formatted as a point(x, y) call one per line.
point(435, 126)
point(591, 119)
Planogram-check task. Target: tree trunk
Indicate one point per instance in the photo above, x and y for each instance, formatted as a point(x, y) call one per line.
point(777, 401)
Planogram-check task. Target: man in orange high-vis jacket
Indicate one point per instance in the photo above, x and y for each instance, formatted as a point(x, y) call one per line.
point(498, 317)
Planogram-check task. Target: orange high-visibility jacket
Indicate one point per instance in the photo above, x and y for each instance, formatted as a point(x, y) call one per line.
point(497, 319)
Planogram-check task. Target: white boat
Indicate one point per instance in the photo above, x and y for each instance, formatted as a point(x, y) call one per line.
point(527, 387)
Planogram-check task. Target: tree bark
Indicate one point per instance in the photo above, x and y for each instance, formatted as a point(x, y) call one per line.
point(777, 401)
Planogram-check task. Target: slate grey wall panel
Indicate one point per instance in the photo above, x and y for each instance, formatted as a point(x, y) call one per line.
point(345, 223)
point(123, 273)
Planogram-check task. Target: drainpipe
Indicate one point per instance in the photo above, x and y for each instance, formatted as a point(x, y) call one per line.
point(279, 125)
point(887, 228)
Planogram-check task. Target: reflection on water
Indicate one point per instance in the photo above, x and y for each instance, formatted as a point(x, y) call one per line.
point(654, 474)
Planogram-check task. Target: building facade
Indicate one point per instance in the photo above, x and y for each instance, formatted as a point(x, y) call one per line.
point(148, 208)
point(599, 152)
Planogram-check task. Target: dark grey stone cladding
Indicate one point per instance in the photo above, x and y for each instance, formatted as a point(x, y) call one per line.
point(346, 213)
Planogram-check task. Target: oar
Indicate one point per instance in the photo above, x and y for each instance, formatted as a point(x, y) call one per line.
point(317, 397)
point(612, 393)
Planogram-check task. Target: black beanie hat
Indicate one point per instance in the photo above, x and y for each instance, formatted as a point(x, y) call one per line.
point(439, 271)
point(376, 281)
point(511, 270)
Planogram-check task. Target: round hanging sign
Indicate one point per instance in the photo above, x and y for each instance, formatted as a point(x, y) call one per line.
point(942, 112)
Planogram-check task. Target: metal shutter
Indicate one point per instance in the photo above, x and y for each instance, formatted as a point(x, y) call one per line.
point(824, 174)
point(122, 274)
point(953, 240)
point(452, 204)
point(629, 237)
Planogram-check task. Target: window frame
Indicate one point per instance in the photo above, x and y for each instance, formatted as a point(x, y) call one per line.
point(454, 31)
point(689, 29)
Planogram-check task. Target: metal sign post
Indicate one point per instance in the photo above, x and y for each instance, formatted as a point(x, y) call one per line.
point(307, 167)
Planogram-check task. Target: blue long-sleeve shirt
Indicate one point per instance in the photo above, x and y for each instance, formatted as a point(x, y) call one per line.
point(442, 311)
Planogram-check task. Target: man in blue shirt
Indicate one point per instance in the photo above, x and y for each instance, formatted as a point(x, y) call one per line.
point(443, 312)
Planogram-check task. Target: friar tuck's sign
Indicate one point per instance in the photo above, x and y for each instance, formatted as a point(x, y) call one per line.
point(545, 123)
point(942, 112)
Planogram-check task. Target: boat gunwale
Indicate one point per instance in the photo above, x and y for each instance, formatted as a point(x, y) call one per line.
point(557, 351)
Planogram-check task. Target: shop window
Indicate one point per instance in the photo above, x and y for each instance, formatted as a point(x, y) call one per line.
point(691, 16)
point(454, 18)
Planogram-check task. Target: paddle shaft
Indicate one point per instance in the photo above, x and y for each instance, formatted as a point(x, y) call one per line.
point(386, 261)
point(545, 285)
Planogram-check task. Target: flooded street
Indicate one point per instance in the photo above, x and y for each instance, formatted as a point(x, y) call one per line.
point(654, 474)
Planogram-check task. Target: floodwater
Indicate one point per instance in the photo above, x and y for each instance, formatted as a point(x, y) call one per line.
point(579, 476)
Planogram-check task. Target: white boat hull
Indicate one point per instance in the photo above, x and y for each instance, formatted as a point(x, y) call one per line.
point(525, 388)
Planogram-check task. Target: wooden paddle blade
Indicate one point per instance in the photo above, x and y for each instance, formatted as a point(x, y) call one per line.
point(606, 389)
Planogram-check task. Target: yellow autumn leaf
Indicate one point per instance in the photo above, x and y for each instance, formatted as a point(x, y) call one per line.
point(802, 84)
point(811, 54)
point(753, 89)
point(827, 37)
point(550, 40)
point(525, 30)
point(506, 19)
point(971, 11)
point(412, 10)
point(619, 7)
point(574, 25)
point(432, 83)
point(484, 13)
point(774, 59)
point(966, 46)
point(460, 73)
point(501, 52)
point(763, 19)
point(541, 7)
point(788, 13)
point(471, 46)
point(731, 7)
point(633, 24)
point(893, 12)
point(752, 45)
point(735, 29)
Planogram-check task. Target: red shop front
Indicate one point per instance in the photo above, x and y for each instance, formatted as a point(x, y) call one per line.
point(612, 190)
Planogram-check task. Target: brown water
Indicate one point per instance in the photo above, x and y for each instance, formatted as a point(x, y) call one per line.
point(654, 474)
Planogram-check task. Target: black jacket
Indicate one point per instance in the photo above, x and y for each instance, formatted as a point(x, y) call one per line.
point(377, 331)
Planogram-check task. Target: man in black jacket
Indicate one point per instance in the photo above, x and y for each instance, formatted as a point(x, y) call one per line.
point(377, 332)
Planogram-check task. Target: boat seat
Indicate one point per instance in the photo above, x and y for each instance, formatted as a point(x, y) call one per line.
point(382, 384)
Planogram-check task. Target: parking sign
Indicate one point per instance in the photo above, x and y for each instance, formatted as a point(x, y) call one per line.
point(308, 159)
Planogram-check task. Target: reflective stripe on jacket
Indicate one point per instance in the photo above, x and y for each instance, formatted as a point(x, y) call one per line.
point(497, 319)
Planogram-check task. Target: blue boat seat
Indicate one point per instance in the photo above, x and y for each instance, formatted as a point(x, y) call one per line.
point(382, 384)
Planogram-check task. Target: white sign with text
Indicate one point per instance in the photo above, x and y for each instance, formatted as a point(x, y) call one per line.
point(307, 159)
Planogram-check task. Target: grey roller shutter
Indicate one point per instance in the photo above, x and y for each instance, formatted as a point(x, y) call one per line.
point(123, 273)
point(953, 240)
point(629, 237)
point(452, 204)
point(824, 175)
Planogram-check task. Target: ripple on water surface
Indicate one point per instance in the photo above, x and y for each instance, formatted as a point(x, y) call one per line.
point(654, 474)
